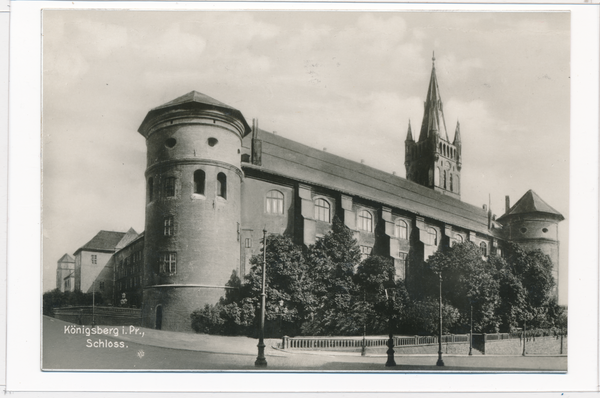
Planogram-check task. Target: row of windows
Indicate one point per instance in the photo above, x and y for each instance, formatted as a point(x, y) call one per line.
point(199, 185)
point(129, 283)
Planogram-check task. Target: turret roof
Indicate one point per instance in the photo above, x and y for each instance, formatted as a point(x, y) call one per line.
point(433, 117)
point(194, 99)
point(66, 259)
point(531, 203)
point(409, 136)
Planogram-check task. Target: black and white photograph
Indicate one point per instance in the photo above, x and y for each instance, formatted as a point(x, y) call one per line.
point(305, 191)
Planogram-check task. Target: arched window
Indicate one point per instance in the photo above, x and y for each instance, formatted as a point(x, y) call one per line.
point(150, 189)
point(483, 248)
point(432, 236)
point(401, 229)
point(222, 185)
point(365, 221)
point(274, 202)
point(451, 185)
point(458, 239)
point(322, 210)
point(445, 177)
point(199, 181)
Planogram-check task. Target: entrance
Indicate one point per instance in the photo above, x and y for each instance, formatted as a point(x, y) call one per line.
point(159, 317)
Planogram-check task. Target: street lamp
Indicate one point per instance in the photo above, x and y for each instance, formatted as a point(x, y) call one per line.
point(440, 362)
point(471, 334)
point(261, 361)
point(390, 343)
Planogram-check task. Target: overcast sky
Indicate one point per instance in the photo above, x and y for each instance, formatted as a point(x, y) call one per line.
point(347, 81)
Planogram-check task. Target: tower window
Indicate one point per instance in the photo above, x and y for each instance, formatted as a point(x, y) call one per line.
point(212, 141)
point(445, 178)
point(150, 189)
point(170, 142)
point(248, 243)
point(94, 259)
point(170, 186)
point(168, 226)
point(523, 230)
point(483, 248)
point(222, 185)
point(401, 229)
point(274, 202)
point(432, 233)
point(365, 221)
point(167, 263)
point(322, 210)
point(544, 230)
point(451, 186)
point(199, 181)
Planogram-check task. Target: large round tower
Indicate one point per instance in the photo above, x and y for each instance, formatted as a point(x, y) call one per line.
point(533, 224)
point(193, 183)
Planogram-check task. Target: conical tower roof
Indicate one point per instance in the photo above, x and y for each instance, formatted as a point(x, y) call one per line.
point(531, 203)
point(409, 136)
point(433, 117)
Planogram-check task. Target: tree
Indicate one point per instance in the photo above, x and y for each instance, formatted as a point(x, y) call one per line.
point(468, 280)
point(333, 260)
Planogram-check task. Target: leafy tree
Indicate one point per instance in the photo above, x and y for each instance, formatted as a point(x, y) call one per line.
point(468, 280)
point(333, 260)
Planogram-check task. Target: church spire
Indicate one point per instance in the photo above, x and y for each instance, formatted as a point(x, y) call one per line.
point(433, 117)
point(457, 138)
point(409, 136)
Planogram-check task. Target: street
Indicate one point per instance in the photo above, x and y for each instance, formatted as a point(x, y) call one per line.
point(159, 350)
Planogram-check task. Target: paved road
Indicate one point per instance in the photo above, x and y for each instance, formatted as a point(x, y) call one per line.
point(178, 351)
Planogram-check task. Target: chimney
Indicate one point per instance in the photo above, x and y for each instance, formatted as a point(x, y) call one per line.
point(507, 201)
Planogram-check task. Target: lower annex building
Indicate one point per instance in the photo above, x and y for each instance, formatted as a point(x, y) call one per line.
point(213, 183)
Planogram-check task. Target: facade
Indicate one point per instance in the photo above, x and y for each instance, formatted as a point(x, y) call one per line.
point(65, 273)
point(214, 183)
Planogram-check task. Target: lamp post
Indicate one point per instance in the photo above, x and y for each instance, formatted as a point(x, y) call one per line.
point(261, 361)
point(440, 362)
point(390, 343)
point(471, 334)
point(93, 303)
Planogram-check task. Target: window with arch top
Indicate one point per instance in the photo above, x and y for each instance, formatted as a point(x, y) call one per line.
point(433, 238)
point(458, 239)
point(322, 210)
point(222, 185)
point(274, 202)
point(365, 221)
point(401, 229)
point(483, 248)
point(199, 182)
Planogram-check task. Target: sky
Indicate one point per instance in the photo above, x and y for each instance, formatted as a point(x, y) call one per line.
point(346, 81)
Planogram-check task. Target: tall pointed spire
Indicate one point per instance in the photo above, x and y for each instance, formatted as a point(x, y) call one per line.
point(457, 138)
point(433, 117)
point(409, 136)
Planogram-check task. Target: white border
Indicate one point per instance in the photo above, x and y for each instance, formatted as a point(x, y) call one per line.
point(24, 284)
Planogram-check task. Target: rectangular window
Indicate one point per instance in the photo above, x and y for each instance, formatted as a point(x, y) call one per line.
point(168, 263)
point(365, 251)
point(101, 285)
point(94, 259)
point(402, 256)
point(170, 186)
point(168, 226)
point(248, 243)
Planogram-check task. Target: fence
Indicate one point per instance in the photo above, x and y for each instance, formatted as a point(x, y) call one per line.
point(341, 343)
point(110, 316)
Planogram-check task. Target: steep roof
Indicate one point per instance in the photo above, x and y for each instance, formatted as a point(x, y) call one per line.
point(433, 116)
point(66, 259)
point(127, 238)
point(531, 203)
point(287, 158)
point(193, 100)
point(104, 241)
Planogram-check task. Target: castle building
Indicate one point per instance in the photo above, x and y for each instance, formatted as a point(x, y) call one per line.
point(214, 183)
